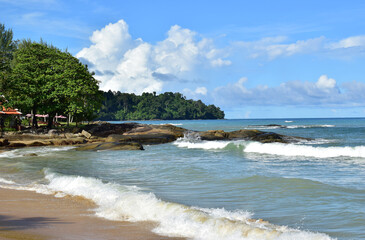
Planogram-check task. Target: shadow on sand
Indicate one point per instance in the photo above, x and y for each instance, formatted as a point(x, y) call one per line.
point(9, 223)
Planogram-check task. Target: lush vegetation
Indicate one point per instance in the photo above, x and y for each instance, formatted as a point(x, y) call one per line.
point(36, 77)
point(166, 106)
point(39, 78)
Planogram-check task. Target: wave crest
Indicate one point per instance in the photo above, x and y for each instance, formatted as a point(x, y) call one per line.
point(117, 202)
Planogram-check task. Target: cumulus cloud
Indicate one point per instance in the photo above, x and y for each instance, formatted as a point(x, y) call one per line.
point(324, 92)
point(325, 83)
point(138, 66)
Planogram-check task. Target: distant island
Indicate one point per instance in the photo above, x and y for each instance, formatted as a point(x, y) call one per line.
point(148, 106)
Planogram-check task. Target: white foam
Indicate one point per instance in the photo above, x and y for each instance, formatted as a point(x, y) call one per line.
point(116, 202)
point(40, 151)
point(202, 144)
point(2, 180)
point(287, 121)
point(311, 126)
point(304, 150)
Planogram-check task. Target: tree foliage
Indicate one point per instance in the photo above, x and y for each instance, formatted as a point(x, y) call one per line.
point(46, 80)
point(7, 47)
point(166, 106)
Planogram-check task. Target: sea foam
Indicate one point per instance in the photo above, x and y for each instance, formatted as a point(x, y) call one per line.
point(282, 149)
point(304, 150)
point(40, 151)
point(117, 202)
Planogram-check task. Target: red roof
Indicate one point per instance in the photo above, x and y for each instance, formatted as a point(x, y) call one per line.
point(9, 111)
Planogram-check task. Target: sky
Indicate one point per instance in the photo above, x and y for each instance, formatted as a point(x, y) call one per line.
point(253, 59)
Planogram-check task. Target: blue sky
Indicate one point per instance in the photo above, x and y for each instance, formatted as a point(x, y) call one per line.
point(254, 59)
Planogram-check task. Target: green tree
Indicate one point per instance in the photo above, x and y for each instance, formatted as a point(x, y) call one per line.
point(7, 47)
point(166, 106)
point(45, 79)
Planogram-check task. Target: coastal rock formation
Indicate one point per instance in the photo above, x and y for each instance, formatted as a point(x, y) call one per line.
point(111, 146)
point(249, 135)
point(131, 136)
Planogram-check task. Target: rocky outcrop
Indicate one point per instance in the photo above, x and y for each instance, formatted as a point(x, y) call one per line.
point(110, 146)
point(106, 129)
point(131, 136)
point(151, 134)
point(250, 135)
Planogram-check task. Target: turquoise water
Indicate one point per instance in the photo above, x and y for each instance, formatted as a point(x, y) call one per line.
point(217, 190)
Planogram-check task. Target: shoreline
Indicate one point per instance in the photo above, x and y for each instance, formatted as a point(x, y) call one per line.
point(28, 215)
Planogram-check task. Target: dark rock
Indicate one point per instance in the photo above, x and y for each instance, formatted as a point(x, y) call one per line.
point(36, 144)
point(110, 146)
point(4, 142)
point(30, 155)
point(250, 135)
point(16, 145)
point(106, 129)
point(214, 135)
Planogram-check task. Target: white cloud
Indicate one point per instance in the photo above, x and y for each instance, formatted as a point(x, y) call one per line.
point(355, 41)
point(122, 63)
point(274, 47)
point(201, 90)
point(198, 93)
point(325, 82)
point(323, 92)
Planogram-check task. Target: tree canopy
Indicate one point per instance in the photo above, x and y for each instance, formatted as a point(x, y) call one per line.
point(40, 78)
point(166, 106)
point(7, 47)
point(47, 80)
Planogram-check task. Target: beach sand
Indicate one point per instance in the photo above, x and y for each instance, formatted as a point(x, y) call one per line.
point(29, 216)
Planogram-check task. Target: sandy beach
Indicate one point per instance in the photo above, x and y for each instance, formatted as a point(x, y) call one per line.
point(28, 215)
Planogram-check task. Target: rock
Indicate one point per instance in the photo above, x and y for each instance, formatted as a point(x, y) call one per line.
point(71, 135)
point(106, 129)
point(30, 155)
point(153, 134)
point(36, 144)
point(213, 135)
point(244, 134)
point(4, 142)
point(86, 134)
point(70, 141)
point(16, 145)
point(52, 132)
point(150, 138)
point(251, 135)
point(269, 137)
point(110, 146)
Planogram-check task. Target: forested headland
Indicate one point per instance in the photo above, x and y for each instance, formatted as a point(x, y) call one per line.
point(37, 77)
point(165, 106)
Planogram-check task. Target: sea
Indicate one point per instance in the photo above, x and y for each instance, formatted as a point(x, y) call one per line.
point(210, 190)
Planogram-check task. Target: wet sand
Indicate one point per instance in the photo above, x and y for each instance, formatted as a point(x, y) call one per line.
point(30, 216)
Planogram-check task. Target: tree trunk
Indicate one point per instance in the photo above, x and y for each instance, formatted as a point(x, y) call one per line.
point(34, 119)
point(50, 121)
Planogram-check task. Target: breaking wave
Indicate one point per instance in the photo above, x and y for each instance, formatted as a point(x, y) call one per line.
point(129, 203)
point(276, 126)
point(305, 150)
point(40, 151)
point(278, 148)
